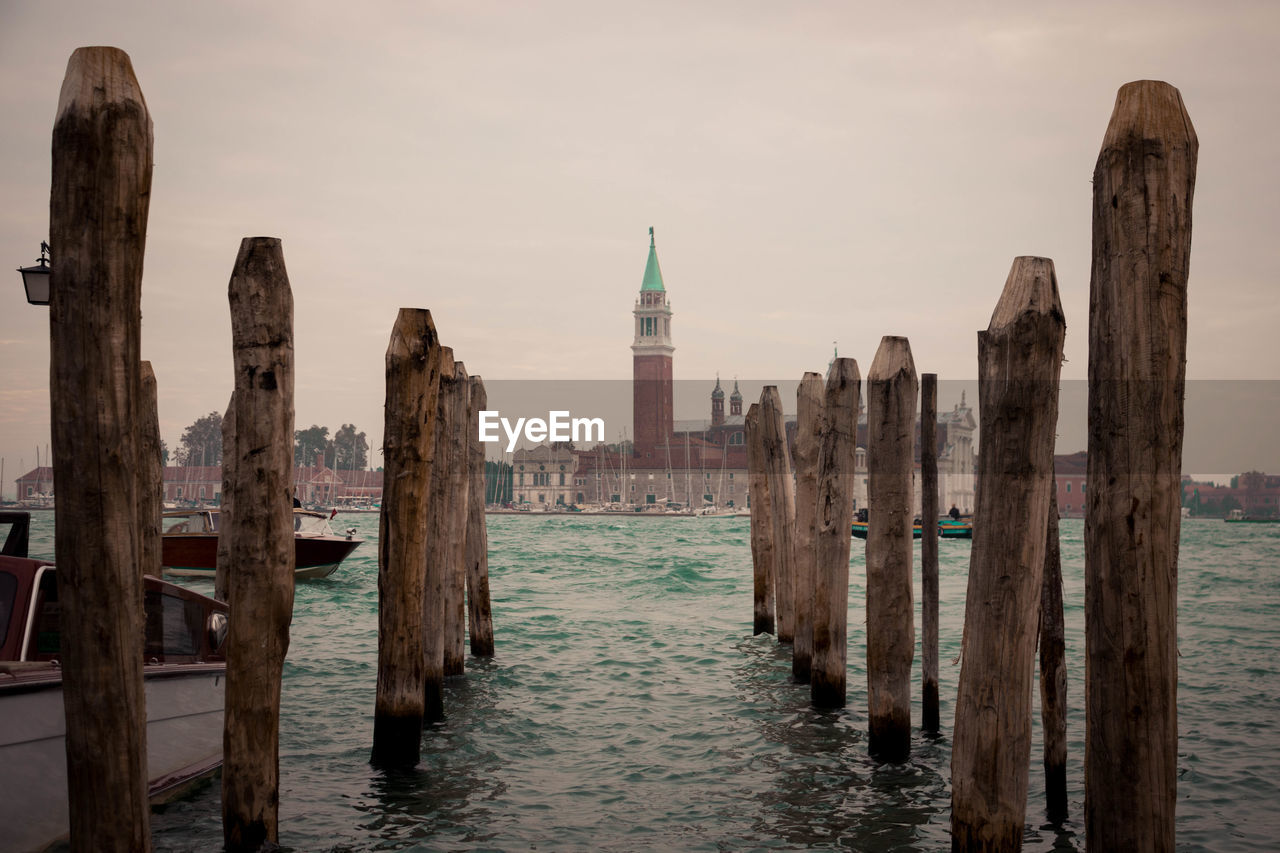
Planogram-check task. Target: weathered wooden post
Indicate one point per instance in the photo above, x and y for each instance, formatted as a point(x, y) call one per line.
point(259, 537)
point(102, 159)
point(438, 548)
point(413, 383)
point(479, 608)
point(1019, 360)
point(832, 538)
point(761, 525)
point(223, 561)
point(457, 506)
point(150, 474)
point(1142, 193)
point(1053, 673)
point(808, 446)
point(782, 508)
point(929, 717)
point(891, 414)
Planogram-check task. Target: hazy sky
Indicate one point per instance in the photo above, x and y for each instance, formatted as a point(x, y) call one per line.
point(814, 171)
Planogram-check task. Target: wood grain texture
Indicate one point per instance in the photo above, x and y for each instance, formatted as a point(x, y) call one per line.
point(832, 537)
point(150, 473)
point(98, 206)
point(438, 543)
point(1053, 673)
point(259, 534)
point(809, 401)
point(457, 469)
point(1143, 186)
point(929, 716)
point(1019, 362)
point(222, 562)
point(413, 363)
point(892, 389)
point(764, 614)
point(479, 607)
point(782, 508)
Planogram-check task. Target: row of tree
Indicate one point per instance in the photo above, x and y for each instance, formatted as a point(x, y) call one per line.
point(347, 450)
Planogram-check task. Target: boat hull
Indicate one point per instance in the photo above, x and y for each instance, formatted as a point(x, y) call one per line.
point(946, 530)
point(184, 742)
point(196, 556)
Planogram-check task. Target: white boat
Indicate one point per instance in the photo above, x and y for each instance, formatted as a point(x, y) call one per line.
point(184, 676)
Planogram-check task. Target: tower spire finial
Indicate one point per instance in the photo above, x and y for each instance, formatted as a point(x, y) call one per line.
point(650, 235)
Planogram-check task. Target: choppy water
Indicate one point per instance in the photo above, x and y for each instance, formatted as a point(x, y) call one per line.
point(628, 707)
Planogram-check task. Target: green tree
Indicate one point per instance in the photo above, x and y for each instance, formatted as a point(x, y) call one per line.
point(310, 444)
point(351, 448)
point(202, 442)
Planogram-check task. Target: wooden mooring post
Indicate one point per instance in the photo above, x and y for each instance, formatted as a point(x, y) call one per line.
point(782, 508)
point(413, 383)
point(929, 716)
point(761, 526)
point(809, 401)
point(891, 412)
point(150, 475)
point(98, 205)
point(223, 559)
point(1019, 361)
point(1142, 199)
point(259, 534)
point(833, 537)
point(457, 506)
point(479, 608)
point(1053, 672)
point(438, 541)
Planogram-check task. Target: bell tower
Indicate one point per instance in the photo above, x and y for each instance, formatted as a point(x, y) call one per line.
point(651, 361)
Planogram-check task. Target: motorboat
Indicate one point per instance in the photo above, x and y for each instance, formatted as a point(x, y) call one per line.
point(190, 543)
point(184, 677)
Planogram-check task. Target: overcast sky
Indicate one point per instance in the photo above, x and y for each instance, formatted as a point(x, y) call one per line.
point(815, 172)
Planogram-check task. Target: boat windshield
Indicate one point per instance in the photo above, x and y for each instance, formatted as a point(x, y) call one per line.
point(185, 522)
point(307, 524)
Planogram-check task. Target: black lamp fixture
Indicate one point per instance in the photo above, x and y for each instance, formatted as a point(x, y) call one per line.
point(36, 278)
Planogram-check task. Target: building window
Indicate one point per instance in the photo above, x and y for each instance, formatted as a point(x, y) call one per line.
point(562, 476)
point(730, 475)
point(1082, 487)
point(1068, 489)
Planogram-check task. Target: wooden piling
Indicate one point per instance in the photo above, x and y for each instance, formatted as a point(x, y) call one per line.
point(761, 525)
point(832, 538)
point(929, 717)
point(1019, 360)
point(150, 474)
point(1053, 673)
point(457, 469)
point(437, 553)
point(259, 537)
point(782, 508)
point(222, 563)
point(891, 412)
point(479, 609)
point(1142, 199)
point(413, 382)
point(808, 446)
point(101, 186)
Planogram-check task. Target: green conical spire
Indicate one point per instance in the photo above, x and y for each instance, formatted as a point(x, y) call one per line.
point(652, 274)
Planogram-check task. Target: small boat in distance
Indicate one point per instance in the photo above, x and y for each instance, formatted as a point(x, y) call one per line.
point(184, 676)
point(948, 528)
point(1237, 516)
point(190, 543)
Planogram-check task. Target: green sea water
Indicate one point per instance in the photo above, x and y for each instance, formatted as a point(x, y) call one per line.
point(629, 707)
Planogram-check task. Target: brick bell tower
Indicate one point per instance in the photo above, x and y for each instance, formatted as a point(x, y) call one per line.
point(651, 362)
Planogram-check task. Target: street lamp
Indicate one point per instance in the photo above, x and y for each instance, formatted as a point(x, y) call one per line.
point(36, 278)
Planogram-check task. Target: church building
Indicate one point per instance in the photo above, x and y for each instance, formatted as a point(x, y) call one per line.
point(698, 462)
